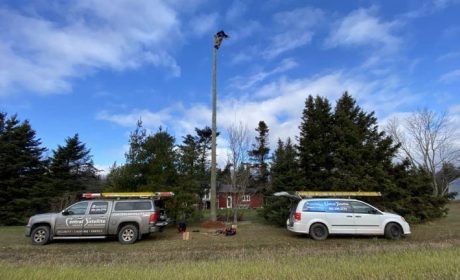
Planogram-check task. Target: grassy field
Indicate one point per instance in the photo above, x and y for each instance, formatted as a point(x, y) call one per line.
point(258, 251)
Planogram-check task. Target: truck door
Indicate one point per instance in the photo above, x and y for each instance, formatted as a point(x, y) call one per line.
point(70, 221)
point(96, 220)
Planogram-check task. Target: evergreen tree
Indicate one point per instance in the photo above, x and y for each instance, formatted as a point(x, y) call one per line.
point(362, 155)
point(286, 176)
point(160, 157)
point(189, 165)
point(259, 154)
point(203, 140)
point(131, 176)
point(72, 170)
point(22, 171)
point(411, 195)
point(315, 144)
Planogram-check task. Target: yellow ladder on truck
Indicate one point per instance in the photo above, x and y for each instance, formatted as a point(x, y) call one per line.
point(128, 195)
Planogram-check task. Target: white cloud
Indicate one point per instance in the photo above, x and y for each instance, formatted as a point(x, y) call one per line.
point(279, 103)
point(295, 29)
point(450, 76)
point(244, 83)
point(362, 28)
point(236, 11)
point(44, 54)
point(204, 24)
point(149, 119)
point(448, 56)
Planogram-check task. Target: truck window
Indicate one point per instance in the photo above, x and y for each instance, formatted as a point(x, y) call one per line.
point(133, 205)
point(99, 207)
point(78, 208)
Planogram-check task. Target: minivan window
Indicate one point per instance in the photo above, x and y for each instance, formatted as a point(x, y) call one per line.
point(133, 205)
point(330, 206)
point(362, 208)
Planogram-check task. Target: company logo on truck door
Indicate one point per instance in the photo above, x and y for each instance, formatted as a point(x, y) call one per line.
point(75, 222)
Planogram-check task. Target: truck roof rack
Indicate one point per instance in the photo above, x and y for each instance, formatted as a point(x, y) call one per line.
point(118, 195)
point(306, 194)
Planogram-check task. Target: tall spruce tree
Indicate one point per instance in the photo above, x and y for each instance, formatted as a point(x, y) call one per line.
point(259, 155)
point(362, 155)
point(72, 170)
point(286, 176)
point(22, 171)
point(203, 139)
point(161, 158)
point(189, 165)
point(316, 144)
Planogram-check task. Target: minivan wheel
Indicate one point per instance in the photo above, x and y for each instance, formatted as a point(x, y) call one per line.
point(128, 234)
point(393, 231)
point(318, 231)
point(40, 235)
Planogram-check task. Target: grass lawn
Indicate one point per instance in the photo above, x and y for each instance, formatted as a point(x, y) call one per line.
point(258, 251)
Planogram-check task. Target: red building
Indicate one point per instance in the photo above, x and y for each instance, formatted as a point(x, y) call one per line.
point(227, 196)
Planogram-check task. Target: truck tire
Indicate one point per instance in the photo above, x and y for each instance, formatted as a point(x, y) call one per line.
point(128, 234)
point(40, 235)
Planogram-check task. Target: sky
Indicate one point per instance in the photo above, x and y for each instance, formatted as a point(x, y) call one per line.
point(96, 67)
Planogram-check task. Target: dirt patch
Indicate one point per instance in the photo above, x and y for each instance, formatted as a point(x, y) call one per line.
point(212, 224)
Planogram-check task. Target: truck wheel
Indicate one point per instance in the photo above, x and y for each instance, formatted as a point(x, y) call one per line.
point(393, 231)
point(128, 234)
point(40, 235)
point(318, 231)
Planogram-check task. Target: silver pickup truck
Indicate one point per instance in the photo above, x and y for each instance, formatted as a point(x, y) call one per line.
point(129, 220)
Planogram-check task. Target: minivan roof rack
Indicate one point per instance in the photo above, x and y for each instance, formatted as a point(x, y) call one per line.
point(306, 194)
point(156, 195)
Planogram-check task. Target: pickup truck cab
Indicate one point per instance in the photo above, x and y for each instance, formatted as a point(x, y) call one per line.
point(319, 217)
point(127, 219)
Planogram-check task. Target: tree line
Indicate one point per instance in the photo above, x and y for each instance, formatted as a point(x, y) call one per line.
point(342, 149)
point(338, 148)
point(30, 181)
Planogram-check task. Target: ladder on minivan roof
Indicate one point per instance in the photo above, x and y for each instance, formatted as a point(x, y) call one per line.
point(306, 194)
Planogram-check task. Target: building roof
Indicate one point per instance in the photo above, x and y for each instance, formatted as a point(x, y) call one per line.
point(227, 188)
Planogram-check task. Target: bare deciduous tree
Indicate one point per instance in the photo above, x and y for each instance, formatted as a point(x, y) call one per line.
point(427, 139)
point(239, 144)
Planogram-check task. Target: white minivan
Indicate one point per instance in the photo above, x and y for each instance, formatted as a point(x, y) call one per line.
point(320, 217)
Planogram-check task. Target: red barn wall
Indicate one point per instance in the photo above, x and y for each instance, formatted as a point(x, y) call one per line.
point(256, 200)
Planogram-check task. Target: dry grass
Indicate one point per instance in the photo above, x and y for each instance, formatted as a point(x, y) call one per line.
point(257, 251)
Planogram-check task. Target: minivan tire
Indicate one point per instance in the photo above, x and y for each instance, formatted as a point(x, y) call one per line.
point(318, 231)
point(393, 231)
point(40, 235)
point(128, 234)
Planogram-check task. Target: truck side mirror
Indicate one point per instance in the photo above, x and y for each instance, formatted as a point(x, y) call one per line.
point(65, 212)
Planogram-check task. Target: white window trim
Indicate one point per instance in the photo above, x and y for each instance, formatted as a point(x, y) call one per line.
point(229, 201)
point(246, 198)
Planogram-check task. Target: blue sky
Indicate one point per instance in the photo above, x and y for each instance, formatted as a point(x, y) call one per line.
point(95, 67)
